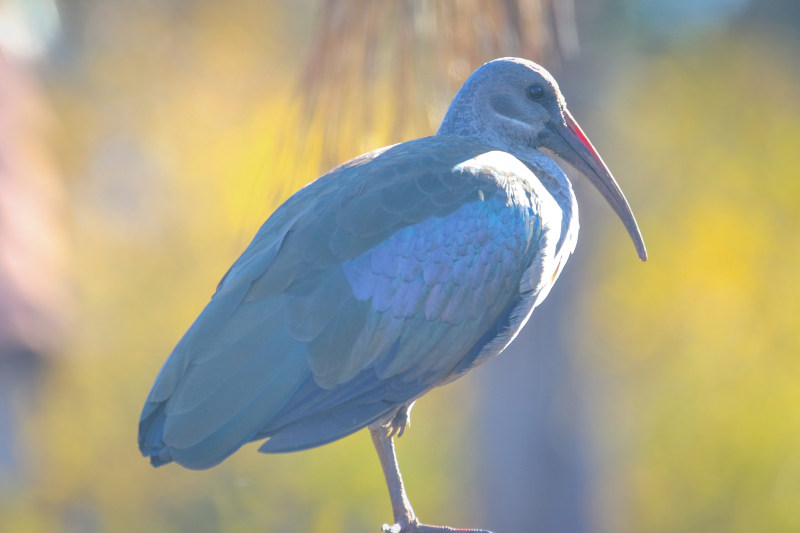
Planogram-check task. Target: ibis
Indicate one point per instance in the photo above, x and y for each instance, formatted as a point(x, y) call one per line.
point(392, 274)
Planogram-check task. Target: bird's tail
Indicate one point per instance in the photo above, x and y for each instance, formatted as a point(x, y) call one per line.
point(151, 434)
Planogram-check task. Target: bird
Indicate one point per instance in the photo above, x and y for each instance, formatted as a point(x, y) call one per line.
point(394, 273)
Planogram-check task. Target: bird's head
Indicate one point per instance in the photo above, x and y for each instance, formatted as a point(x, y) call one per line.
point(516, 105)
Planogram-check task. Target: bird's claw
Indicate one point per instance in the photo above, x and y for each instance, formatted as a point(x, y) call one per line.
point(401, 420)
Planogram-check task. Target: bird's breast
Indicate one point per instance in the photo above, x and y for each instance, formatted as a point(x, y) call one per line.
point(550, 195)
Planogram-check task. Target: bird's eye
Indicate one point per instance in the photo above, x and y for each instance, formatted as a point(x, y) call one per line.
point(535, 92)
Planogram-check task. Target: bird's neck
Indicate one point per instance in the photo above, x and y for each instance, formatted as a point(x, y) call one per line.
point(552, 177)
point(555, 180)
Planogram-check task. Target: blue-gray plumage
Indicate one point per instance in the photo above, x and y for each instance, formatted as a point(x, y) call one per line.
point(394, 273)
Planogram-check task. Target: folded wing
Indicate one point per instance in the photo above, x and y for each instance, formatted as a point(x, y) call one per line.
point(385, 277)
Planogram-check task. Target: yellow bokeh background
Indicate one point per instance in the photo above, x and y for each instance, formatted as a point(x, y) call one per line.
point(177, 129)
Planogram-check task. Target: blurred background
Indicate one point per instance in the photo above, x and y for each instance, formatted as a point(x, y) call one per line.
point(142, 143)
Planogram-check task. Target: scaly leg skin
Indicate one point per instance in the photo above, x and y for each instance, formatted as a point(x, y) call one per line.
point(405, 519)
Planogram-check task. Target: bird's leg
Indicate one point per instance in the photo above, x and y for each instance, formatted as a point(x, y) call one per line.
point(405, 521)
point(401, 508)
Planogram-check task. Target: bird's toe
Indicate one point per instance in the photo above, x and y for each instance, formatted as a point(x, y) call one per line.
point(416, 527)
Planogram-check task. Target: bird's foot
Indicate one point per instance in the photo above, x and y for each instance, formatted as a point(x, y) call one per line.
point(401, 420)
point(415, 527)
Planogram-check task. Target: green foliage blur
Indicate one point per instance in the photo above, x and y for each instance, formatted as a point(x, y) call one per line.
point(178, 132)
point(697, 351)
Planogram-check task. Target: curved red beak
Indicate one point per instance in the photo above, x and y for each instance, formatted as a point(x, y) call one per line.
point(579, 152)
